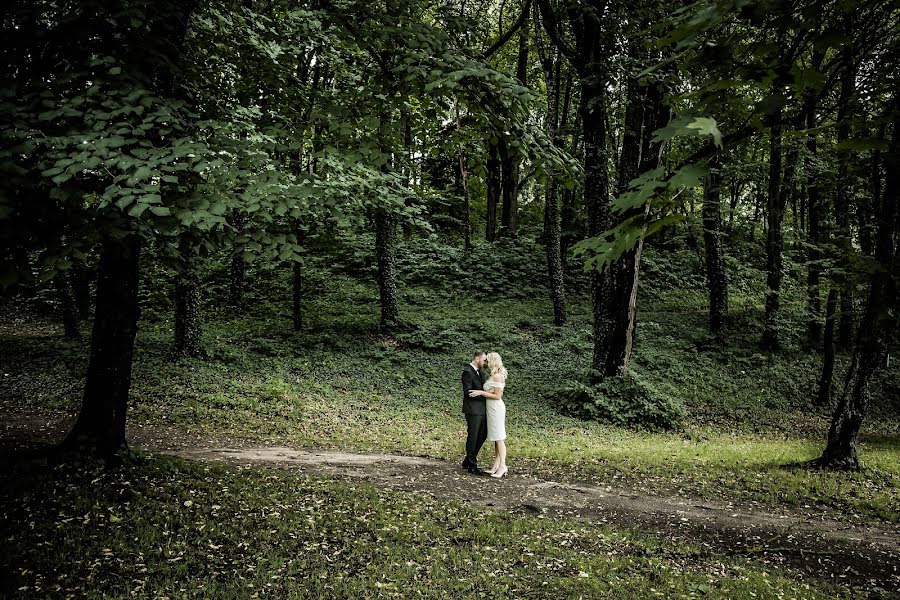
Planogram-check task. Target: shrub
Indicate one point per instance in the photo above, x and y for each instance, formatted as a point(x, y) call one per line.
point(625, 401)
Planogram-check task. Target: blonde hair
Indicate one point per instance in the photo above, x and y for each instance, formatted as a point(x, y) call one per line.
point(495, 364)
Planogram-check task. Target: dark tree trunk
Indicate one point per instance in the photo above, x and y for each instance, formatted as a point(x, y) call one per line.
point(80, 279)
point(386, 252)
point(66, 307)
point(493, 191)
point(774, 240)
point(297, 284)
point(823, 397)
point(877, 327)
point(100, 426)
point(509, 206)
point(188, 322)
point(716, 281)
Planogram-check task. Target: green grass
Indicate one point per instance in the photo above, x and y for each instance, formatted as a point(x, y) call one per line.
point(169, 528)
point(748, 423)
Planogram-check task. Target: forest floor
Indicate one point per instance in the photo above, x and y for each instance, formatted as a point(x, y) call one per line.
point(863, 557)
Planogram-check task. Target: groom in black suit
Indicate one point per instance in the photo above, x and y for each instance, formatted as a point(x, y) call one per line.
point(475, 410)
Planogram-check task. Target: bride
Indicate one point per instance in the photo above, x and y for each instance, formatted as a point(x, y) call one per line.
point(496, 412)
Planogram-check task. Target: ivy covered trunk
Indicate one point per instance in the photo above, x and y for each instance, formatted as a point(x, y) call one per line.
point(66, 307)
point(188, 322)
point(716, 281)
point(100, 426)
point(877, 327)
point(552, 226)
point(596, 199)
point(386, 255)
point(774, 240)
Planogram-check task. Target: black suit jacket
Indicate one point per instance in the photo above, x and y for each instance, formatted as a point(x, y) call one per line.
point(471, 380)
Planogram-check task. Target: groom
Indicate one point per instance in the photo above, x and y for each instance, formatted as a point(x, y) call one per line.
point(475, 410)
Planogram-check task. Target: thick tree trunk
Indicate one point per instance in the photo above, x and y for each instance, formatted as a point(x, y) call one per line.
point(876, 328)
point(842, 206)
point(493, 192)
point(716, 281)
point(100, 426)
point(608, 351)
point(774, 240)
point(386, 252)
point(509, 206)
point(826, 379)
point(188, 322)
point(66, 307)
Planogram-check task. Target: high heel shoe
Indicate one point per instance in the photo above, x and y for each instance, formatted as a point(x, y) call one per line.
point(500, 473)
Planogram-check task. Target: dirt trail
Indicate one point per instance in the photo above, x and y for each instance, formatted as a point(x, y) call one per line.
point(820, 547)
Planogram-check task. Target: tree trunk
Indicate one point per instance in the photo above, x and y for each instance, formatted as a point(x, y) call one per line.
point(813, 277)
point(876, 328)
point(774, 240)
point(493, 192)
point(823, 397)
point(188, 323)
point(509, 214)
point(552, 227)
point(842, 206)
point(66, 307)
point(716, 281)
point(386, 252)
point(509, 207)
point(80, 279)
point(100, 426)
point(297, 284)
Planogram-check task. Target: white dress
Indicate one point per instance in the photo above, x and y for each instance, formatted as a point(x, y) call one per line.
point(496, 413)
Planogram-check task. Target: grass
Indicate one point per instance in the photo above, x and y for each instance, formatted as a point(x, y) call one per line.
point(168, 528)
point(748, 423)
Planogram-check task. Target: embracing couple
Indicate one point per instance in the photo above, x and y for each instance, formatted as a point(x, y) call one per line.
point(485, 411)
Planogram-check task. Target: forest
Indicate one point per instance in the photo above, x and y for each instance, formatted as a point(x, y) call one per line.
point(248, 246)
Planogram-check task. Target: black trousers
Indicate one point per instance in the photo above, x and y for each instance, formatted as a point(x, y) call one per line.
point(476, 426)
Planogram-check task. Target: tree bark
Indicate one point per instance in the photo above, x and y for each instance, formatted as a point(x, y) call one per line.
point(100, 426)
point(510, 166)
point(297, 284)
point(237, 274)
point(877, 327)
point(716, 281)
point(842, 205)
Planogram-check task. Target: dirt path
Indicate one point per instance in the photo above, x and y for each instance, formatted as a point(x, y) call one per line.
point(846, 554)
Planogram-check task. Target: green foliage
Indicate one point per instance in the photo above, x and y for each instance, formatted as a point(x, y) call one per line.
point(626, 401)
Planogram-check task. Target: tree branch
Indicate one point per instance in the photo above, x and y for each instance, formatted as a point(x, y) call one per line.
point(552, 28)
point(508, 35)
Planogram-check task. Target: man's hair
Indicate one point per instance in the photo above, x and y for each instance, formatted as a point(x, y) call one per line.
point(476, 354)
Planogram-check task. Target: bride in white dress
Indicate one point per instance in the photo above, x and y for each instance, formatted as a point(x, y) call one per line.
point(496, 412)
